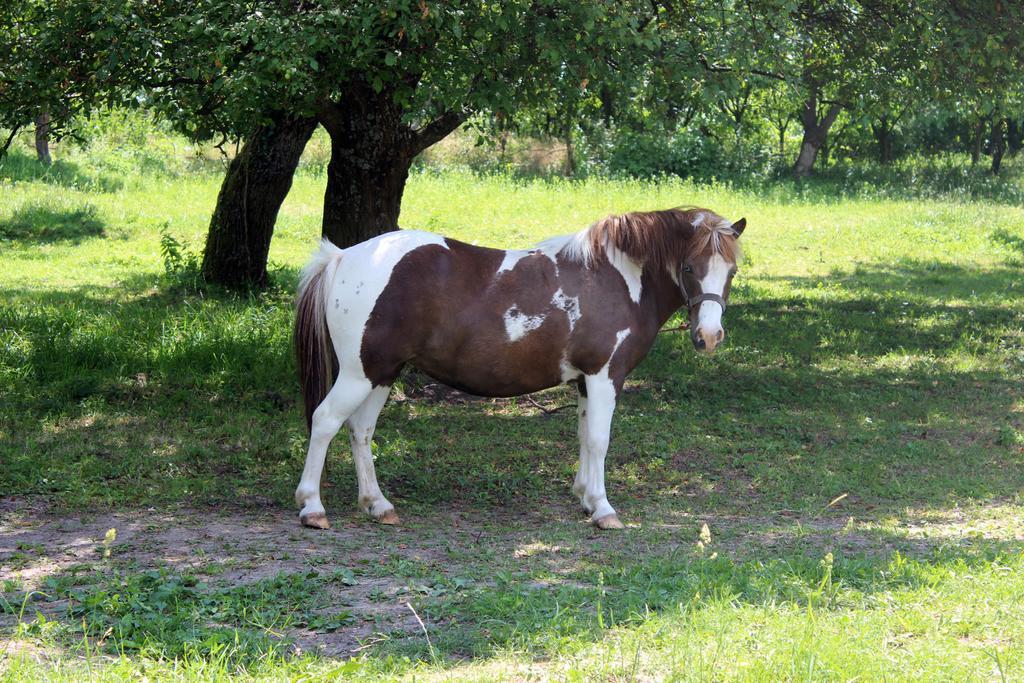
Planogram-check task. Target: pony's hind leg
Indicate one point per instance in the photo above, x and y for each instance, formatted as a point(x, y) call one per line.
point(360, 436)
point(344, 398)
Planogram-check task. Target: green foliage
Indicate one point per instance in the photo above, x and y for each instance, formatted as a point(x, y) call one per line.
point(67, 59)
point(218, 68)
point(686, 154)
point(710, 87)
point(181, 264)
point(164, 615)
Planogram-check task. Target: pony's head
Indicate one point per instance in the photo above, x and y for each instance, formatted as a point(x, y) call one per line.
point(705, 275)
point(696, 248)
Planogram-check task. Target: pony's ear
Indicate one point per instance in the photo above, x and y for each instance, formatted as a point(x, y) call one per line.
point(738, 226)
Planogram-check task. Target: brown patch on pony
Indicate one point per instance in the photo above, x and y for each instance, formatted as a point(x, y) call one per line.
point(314, 351)
point(664, 238)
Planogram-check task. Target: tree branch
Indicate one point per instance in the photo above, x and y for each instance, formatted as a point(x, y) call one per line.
point(830, 117)
point(10, 139)
point(718, 69)
point(438, 129)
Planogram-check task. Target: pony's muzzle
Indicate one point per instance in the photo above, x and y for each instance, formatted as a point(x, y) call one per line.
point(706, 339)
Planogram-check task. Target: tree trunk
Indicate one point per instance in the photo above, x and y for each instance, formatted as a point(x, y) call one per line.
point(371, 152)
point(43, 138)
point(979, 138)
point(883, 135)
point(570, 156)
point(256, 183)
point(363, 201)
point(1014, 135)
point(782, 127)
point(815, 134)
point(998, 144)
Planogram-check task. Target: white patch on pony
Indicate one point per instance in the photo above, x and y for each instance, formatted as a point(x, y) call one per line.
point(629, 269)
point(512, 257)
point(569, 304)
point(620, 337)
point(569, 373)
point(709, 316)
point(358, 282)
point(518, 324)
point(575, 247)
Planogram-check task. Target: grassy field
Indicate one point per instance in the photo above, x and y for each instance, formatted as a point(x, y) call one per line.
point(836, 494)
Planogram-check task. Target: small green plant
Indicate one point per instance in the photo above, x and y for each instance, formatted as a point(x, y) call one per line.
point(165, 614)
point(177, 257)
point(182, 264)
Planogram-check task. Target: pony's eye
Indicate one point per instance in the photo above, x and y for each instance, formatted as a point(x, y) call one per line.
point(687, 268)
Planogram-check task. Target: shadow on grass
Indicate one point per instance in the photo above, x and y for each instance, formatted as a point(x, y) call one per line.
point(17, 166)
point(1010, 241)
point(39, 223)
point(885, 390)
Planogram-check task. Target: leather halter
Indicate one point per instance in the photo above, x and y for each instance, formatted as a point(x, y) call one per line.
point(690, 303)
point(700, 298)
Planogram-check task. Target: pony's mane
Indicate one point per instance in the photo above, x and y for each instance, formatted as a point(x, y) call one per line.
point(659, 238)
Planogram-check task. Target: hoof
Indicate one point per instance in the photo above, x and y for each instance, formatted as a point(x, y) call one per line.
point(609, 522)
point(315, 520)
point(390, 518)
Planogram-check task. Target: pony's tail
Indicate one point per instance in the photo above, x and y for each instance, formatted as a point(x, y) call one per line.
point(318, 364)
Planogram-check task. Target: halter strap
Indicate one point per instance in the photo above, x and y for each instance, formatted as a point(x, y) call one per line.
point(700, 298)
point(707, 296)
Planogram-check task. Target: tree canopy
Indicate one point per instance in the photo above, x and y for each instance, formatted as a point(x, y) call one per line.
point(676, 82)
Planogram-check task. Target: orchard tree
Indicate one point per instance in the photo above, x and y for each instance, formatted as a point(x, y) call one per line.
point(835, 50)
point(978, 64)
point(385, 79)
point(776, 107)
point(56, 63)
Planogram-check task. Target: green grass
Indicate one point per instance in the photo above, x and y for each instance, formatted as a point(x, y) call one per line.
point(856, 448)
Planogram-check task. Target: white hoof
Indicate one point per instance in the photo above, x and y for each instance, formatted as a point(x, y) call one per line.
point(315, 520)
point(390, 518)
point(609, 522)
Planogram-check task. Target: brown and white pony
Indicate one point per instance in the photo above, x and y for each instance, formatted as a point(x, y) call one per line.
point(582, 309)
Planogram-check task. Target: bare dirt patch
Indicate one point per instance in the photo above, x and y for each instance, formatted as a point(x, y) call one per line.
point(392, 567)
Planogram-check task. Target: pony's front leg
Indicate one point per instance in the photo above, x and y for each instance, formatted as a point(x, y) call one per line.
point(579, 487)
point(597, 412)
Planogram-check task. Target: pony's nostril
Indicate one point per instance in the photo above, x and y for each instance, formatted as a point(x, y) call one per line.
point(720, 336)
point(699, 342)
